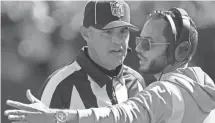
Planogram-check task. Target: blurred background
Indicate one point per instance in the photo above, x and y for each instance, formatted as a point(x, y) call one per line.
point(39, 37)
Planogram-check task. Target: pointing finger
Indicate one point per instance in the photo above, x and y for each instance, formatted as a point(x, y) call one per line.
point(21, 122)
point(19, 105)
point(16, 117)
point(19, 112)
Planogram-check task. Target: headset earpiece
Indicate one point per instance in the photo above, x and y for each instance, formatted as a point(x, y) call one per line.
point(182, 51)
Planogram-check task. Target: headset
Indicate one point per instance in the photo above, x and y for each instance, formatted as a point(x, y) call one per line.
point(183, 41)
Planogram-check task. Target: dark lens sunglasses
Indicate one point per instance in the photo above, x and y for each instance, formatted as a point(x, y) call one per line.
point(146, 43)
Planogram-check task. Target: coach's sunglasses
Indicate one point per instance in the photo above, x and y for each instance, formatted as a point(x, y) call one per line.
point(146, 43)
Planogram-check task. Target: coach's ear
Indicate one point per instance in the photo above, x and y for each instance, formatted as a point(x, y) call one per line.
point(85, 33)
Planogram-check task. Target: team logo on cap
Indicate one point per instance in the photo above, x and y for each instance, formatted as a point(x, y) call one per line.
point(117, 8)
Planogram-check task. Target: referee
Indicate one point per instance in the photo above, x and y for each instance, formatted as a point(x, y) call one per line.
point(98, 76)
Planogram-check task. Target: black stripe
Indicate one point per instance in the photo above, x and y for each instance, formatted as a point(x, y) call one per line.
point(85, 90)
point(62, 94)
point(40, 92)
point(111, 93)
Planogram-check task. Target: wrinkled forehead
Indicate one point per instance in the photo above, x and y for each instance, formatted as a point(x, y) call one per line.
point(154, 28)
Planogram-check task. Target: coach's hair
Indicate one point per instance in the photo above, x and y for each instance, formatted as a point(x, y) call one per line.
point(193, 36)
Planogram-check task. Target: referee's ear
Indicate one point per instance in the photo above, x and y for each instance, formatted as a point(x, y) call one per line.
point(85, 33)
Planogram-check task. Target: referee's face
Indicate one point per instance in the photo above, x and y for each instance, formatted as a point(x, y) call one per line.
point(110, 45)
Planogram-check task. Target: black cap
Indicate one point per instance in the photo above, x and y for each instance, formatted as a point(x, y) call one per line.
point(104, 14)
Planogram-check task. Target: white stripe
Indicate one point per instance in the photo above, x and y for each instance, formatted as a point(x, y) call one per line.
point(177, 104)
point(100, 93)
point(121, 91)
point(76, 101)
point(139, 86)
point(55, 81)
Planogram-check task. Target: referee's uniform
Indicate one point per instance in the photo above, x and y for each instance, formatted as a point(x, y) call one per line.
point(83, 84)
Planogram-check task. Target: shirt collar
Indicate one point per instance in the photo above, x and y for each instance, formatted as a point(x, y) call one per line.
point(95, 72)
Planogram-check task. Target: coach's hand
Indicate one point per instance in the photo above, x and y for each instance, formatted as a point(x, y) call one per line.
point(36, 112)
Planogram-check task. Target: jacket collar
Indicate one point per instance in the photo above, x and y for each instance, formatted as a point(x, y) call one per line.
point(94, 71)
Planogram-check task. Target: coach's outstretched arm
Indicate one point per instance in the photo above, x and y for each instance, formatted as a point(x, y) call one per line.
point(156, 103)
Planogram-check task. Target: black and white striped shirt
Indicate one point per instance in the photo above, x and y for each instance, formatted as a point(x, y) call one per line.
point(82, 84)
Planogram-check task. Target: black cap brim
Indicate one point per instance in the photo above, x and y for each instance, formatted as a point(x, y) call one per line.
point(115, 24)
